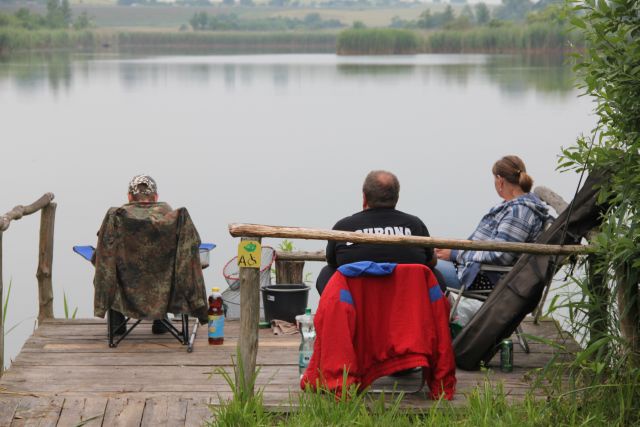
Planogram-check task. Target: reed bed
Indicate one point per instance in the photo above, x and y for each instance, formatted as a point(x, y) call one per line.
point(302, 41)
point(538, 37)
point(377, 41)
point(13, 39)
point(533, 37)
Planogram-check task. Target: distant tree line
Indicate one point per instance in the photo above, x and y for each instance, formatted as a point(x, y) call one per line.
point(58, 16)
point(278, 3)
point(202, 21)
point(480, 15)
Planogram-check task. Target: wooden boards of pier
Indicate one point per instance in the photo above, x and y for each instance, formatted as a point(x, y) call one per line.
point(66, 370)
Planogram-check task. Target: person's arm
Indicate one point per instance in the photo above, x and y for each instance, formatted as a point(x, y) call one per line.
point(331, 254)
point(430, 259)
point(515, 226)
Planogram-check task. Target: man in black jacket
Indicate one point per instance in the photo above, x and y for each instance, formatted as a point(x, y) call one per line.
point(380, 193)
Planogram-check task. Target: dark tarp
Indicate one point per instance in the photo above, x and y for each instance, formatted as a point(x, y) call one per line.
point(519, 292)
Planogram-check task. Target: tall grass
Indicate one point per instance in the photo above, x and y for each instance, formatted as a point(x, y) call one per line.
point(246, 407)
point(486, 405)
point(377, 41)
point(295, 41)
point(536, 37)
point(67, 312)
point(12, 39)
point(554, 398)
point(532, 37)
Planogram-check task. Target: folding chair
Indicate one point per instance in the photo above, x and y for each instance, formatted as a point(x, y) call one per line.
point(182, 335)
point(482, 294)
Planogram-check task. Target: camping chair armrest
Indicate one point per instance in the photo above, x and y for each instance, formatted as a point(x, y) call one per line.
point(496, 268)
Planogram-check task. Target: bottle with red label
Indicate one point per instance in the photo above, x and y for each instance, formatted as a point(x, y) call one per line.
point(216, 318)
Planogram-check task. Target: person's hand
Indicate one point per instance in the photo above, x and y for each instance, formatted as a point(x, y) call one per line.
point(443, 254)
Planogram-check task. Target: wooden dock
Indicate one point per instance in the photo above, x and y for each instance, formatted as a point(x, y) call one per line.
point(67, 374)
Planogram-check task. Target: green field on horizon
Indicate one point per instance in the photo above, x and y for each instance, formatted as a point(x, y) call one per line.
point(171, 17)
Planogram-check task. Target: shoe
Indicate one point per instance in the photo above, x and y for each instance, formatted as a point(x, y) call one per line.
point(118, 322)
point(158, 327)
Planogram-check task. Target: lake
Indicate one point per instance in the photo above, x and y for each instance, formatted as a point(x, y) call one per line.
point(272, 139)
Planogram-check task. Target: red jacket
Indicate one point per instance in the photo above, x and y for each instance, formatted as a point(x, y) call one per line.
point(374, 326)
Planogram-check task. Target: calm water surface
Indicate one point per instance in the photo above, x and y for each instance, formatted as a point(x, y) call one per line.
point(273, 139)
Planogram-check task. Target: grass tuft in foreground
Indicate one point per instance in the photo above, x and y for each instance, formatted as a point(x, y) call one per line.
point(615, 403)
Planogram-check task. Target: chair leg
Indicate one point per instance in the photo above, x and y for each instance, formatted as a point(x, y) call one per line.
point(185, 329)
point(455, 304)
point(522, 340)
point(110, 331)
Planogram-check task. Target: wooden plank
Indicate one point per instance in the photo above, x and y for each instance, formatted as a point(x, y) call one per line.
point(123, 412)
point(301, 256)
point(197, 412)
point(239, 230)
point(7, 409)
point(35, 411)
point(155, 413)
point(27, 359)
point(89, 411)
point(176, 412)
point(71, 412)
point(164, 412)
point(138, 376)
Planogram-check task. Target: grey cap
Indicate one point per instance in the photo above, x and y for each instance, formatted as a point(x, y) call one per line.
point(142, 184)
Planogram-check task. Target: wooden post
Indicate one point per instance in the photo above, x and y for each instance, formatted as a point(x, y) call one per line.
point(1, 313)
point(249, 318)
point(45, 262)
point(289, 271)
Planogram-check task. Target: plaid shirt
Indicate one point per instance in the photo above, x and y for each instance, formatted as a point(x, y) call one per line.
point(518, 220)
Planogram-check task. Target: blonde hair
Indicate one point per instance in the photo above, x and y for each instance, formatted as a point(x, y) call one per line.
point(512, 169)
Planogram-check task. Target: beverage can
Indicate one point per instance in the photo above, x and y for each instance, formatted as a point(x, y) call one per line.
point(506, 355)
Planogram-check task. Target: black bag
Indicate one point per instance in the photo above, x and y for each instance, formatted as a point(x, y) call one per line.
point(519, 292)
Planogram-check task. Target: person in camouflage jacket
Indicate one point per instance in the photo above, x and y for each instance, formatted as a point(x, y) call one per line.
point(147, 259)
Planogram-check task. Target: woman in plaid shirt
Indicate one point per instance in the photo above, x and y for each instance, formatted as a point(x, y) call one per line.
point(519, 218)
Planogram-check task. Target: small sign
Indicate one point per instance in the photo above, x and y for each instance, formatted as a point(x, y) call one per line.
point(249, 252)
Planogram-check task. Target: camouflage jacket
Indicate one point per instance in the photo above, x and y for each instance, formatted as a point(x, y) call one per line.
point(148, 264)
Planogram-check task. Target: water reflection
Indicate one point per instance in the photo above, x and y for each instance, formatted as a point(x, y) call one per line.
point(514, 75)
point(543, 73)
point(29, 72)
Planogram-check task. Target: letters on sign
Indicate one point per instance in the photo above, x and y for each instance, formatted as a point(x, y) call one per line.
point(249, 254)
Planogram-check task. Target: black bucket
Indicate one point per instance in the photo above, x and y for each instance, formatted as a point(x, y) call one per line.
point(284, 302)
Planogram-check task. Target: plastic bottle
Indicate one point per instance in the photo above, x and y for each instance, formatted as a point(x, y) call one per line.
point(308, 338)
point(216, 318)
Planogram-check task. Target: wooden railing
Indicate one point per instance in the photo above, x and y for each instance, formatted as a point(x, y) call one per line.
point(45, 256)
point(250, 280)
